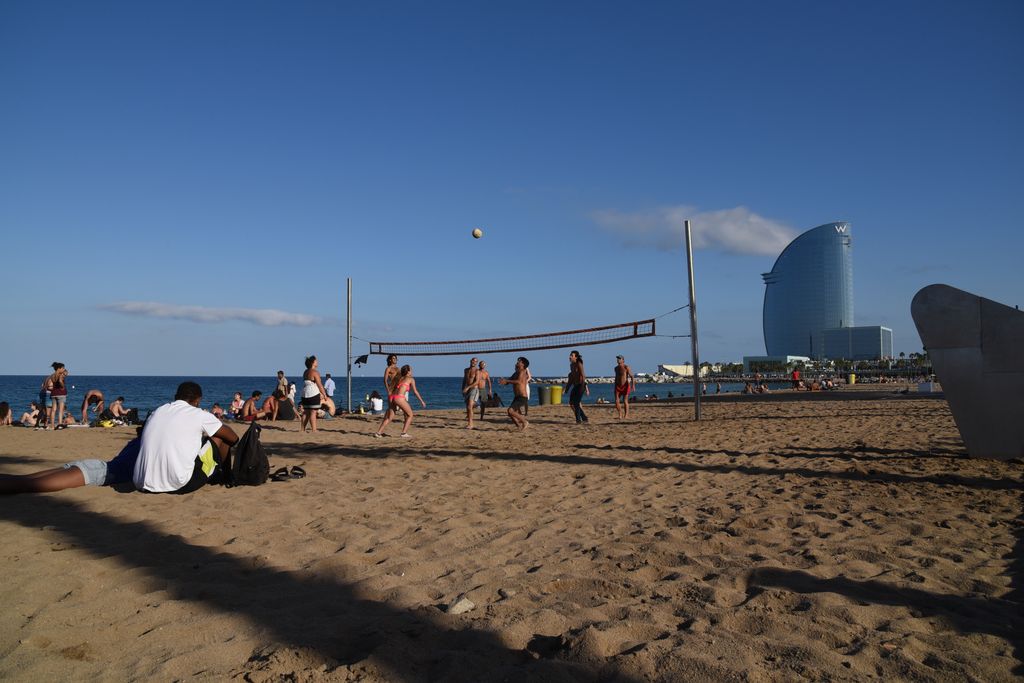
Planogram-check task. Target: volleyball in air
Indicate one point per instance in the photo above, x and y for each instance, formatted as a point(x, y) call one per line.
point(478, 233)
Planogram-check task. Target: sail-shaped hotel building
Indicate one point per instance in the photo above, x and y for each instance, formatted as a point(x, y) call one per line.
point(809, 290)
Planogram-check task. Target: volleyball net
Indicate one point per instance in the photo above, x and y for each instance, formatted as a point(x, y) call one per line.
point(530, 342)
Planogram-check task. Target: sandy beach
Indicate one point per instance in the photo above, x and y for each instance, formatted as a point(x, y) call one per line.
point(775, 540)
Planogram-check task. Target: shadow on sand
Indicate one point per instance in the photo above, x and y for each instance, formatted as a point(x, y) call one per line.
point(318, 614)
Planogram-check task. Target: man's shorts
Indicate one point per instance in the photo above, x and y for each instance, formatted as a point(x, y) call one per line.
point(519, 402)
point(206, 463)
point(622, 390)
point(120, 470)
point(472, 396)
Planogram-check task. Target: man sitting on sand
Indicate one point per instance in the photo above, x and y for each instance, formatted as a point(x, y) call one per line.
point(118, 408)
point(250, 412)
point(519, 382)
point(178, 450)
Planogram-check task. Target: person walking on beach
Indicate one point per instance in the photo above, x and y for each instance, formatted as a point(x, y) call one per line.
point(470, 390)
point(576, 385)
point(624, 384)
point(312, 393)
point(329, 386)
point(282, 383)
point(397, 401)
point(519, 381)
point(390, 376)
point(93, 401)
point(483, 381)
point(177, 452)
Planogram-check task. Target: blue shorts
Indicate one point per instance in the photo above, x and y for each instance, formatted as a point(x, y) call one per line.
point(44, 399)
point(120, 470)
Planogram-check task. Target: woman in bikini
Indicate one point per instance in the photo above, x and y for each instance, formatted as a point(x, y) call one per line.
point(312, 393)
point(397, 399)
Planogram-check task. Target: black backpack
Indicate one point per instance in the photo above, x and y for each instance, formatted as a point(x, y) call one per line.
point(249, 464)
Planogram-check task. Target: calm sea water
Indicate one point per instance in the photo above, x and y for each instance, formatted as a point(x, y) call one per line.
point(147, 393)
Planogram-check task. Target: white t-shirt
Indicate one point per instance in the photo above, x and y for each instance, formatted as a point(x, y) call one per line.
point(170, 443)
point(377, 405)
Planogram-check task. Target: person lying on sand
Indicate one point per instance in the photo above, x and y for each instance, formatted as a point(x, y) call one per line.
point(178, 450)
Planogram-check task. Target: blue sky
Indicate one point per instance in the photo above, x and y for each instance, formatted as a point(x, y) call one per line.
point(247, 157)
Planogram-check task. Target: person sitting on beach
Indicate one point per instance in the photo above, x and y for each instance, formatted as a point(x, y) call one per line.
point(117, 408)
point(519, 381)
point(748, 388)
point(327, 408)
point(249, 411)
point(376, 403)
point(286, 410)
point(236, 405)
point(217, 411)
point(177, 452)
point(5, 414)
point(93, 401)
point(69, 419)
point(270, 405)
point(30, 416)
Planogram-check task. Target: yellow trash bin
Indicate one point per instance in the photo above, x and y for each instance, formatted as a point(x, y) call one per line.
point(556, 395)
point(851, 379)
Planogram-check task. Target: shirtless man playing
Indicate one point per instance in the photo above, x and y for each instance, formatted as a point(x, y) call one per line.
point(93, 399)
point(519, 382)
point(624, 383)
point(470, 389)
point(483, 381)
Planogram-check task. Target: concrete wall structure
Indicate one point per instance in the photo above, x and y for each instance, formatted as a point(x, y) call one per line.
point(976, 346)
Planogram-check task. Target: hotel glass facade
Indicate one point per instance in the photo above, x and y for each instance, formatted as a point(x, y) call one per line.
point(808, 291)
point(858, 343)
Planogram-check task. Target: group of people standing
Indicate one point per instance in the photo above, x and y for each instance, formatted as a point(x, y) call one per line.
point(478, 388)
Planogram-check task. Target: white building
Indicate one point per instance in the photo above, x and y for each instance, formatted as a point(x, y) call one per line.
point(684, 370)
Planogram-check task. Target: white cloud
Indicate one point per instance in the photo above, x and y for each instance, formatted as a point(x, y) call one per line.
point(201, 314)
point(738, 230)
